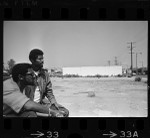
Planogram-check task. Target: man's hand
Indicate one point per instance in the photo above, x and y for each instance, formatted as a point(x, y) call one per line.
point(55, 113)
point(55, 106)
point(59, 115)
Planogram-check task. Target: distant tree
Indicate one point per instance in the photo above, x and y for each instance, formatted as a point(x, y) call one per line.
point(10, 63)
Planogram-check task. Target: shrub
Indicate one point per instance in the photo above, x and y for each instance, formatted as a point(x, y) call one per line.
point(138, 78)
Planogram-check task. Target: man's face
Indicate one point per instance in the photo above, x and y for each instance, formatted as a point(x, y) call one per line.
point(39, 61)
point(30, 77)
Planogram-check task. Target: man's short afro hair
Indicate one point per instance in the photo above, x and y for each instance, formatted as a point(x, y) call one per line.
point(34, 54)
point(21, 68)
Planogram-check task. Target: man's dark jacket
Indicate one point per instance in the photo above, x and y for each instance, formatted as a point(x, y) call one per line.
point(45, 87)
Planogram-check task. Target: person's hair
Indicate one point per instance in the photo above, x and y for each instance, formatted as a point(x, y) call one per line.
point(21, 68)
point(34, 54)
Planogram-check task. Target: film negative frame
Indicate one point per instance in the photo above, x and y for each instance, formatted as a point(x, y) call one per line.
point(85, 10)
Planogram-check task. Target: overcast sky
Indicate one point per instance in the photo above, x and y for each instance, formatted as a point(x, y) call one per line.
point(76, 43)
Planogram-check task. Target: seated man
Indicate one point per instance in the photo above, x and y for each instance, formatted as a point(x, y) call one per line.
point(17, 104)
point(43, 92)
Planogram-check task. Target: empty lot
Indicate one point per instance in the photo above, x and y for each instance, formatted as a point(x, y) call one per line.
point(114, 97)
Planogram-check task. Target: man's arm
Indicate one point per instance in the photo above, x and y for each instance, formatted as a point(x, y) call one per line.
point(33, 106)
point(16, 100)
point(49, 90)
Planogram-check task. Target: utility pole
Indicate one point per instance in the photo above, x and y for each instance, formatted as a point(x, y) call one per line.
point(116, 61)
point(142, 67)
point(109, 62)
point(142, 64)
point(136, 63)
point(131, 48)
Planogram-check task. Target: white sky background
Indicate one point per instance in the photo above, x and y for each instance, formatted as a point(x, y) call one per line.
point(76, 43)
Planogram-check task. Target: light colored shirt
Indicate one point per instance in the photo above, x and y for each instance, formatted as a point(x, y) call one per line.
point(13, 99)
point(37, 91)
point(37, 95)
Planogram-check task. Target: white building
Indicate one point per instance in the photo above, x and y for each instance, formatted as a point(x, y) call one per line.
point(93, 70)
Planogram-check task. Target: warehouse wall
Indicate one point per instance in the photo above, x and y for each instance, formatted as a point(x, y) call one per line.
point(92, 70)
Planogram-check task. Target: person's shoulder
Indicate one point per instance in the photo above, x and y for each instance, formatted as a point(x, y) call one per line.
point(8, 81)
point(45, 71)
point(9, 84)
point(46, 74)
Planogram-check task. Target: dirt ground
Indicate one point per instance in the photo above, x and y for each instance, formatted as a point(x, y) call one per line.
point(114, 97)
